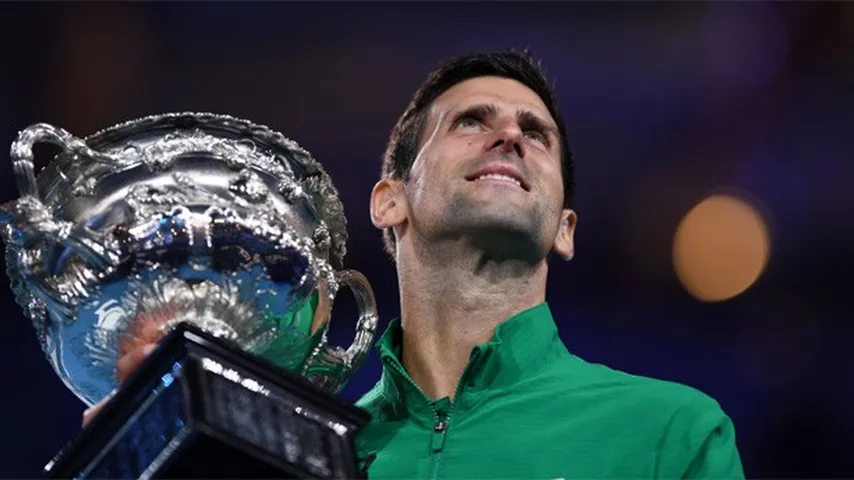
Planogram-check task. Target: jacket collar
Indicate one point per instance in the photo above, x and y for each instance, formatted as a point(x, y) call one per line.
point(521, 346)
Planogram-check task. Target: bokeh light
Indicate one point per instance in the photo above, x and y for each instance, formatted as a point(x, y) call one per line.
point(720, 248)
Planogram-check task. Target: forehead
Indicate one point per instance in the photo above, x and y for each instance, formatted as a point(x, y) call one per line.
point(504, 93)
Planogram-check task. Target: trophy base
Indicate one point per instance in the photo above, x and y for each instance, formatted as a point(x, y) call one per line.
point(200, 407)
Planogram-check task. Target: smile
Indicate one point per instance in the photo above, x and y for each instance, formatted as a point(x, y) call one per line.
point(499, 177)
point(500, 173)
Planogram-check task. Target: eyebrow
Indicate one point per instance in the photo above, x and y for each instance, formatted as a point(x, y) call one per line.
point(479, 111)
point(526, 118)
point(529, 120)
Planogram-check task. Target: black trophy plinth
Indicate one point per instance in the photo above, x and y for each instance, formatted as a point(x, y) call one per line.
point(200, 407)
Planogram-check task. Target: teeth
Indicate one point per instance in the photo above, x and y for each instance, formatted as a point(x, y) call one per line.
point(498, 176)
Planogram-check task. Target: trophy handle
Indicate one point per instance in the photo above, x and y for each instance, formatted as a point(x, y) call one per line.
point(29, 222)
point(368, 318)
point(22, 153)
point(330, 366)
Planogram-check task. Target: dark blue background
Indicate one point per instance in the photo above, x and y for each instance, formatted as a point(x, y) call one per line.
point(665, 102)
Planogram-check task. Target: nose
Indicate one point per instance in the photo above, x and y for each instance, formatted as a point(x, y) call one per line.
point(508, 138)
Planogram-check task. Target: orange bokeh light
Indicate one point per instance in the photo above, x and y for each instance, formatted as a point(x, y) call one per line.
point(720, 248)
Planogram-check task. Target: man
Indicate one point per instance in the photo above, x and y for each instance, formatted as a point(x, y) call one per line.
point(474, 196)
point(475, 192)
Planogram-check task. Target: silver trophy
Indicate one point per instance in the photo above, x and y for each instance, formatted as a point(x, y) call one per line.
point(203, 223)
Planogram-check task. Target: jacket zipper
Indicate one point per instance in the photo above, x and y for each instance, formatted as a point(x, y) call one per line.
point(437, 444)
point(440, 428)
point(440, 425)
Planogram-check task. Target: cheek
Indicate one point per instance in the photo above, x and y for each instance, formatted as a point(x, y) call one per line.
point(552, 182)
point(415, 192)
point(429, 172)
point(548, 174)
point(436, 172)
point(557, 187)
point(421, 187)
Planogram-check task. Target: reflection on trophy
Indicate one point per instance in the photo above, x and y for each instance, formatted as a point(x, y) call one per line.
point(221, 241)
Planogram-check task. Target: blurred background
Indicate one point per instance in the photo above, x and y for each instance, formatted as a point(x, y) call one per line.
point(715, 157)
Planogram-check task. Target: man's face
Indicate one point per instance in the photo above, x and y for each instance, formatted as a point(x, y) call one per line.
point(489, 166)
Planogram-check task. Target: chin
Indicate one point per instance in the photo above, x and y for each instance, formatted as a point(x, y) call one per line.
point(504, 231)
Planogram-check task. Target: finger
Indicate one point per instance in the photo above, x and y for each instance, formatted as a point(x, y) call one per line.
point(92, 411)
point(126, 365)
point(131, 360)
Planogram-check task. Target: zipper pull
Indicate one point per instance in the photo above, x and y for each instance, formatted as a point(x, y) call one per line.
point(439, 429)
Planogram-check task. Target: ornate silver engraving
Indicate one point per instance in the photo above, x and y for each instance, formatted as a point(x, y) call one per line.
point(191, 217)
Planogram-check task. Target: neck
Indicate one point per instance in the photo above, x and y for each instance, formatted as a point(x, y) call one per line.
point(452, 302)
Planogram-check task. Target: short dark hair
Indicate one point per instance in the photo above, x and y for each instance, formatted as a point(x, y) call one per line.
point(403, 144)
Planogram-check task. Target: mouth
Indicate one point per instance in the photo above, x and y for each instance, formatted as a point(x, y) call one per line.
point(500, 173)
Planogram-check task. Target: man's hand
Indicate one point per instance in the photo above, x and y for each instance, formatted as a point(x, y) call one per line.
point(146, 330)
point(127, 364)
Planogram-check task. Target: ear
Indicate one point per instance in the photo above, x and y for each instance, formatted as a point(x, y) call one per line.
point(565, 241)
point(388, 204)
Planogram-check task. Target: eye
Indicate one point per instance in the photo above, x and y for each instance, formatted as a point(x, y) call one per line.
point(537, 136)
point(469, 122)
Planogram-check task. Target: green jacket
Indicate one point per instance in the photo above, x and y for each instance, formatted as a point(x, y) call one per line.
point(526, 408)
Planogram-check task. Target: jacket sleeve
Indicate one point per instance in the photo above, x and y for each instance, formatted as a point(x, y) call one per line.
point(699, 442)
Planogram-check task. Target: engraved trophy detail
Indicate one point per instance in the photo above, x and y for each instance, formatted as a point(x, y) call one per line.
point(223, 242)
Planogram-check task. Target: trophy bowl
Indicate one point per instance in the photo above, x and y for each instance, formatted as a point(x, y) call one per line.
point(180, 218)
